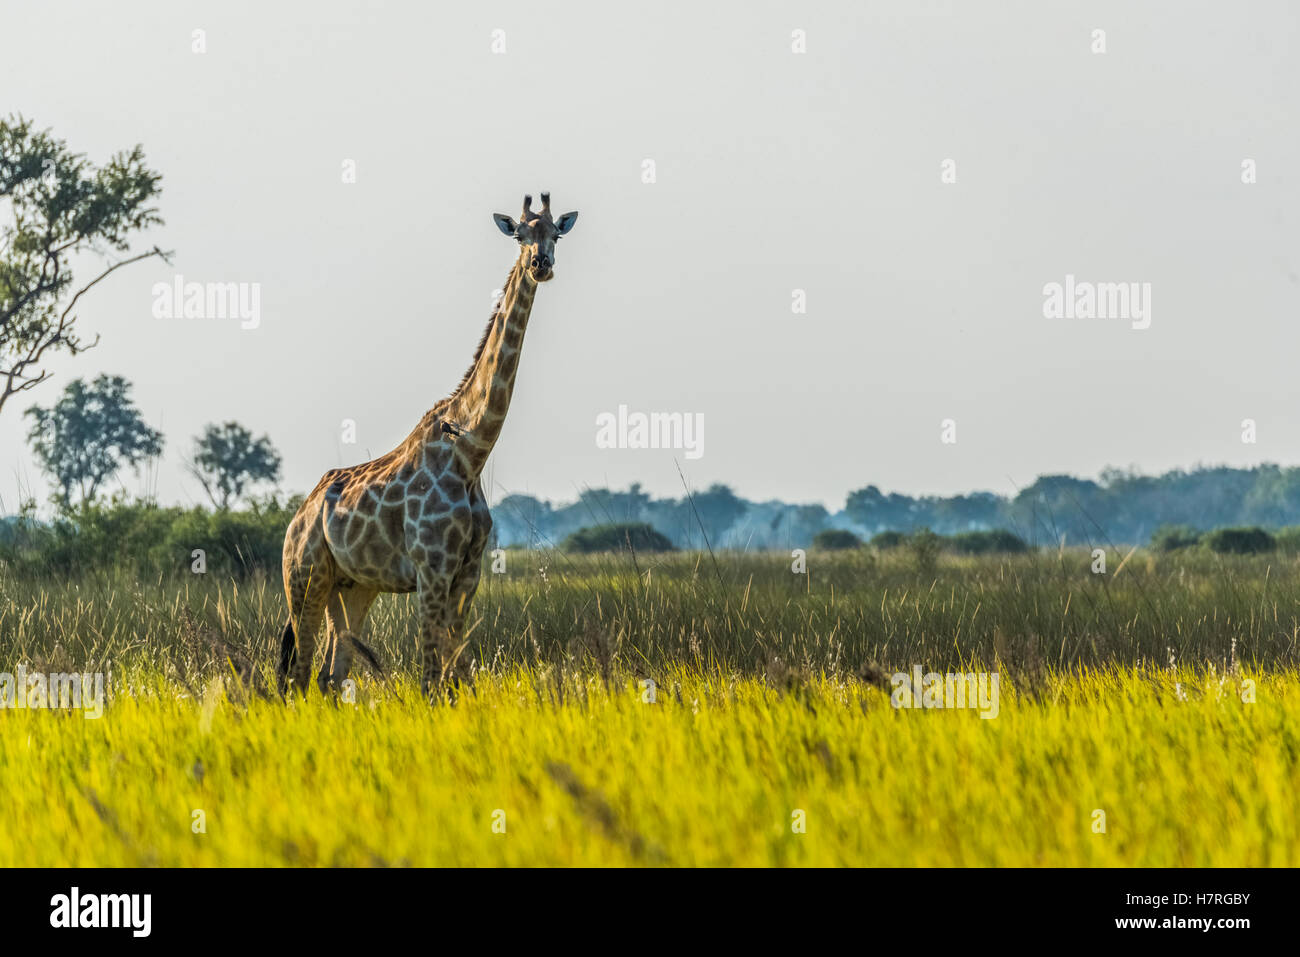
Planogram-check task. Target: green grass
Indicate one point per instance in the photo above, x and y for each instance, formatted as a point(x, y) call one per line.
point(767, 703)
point(711, 773)
point(733, 614)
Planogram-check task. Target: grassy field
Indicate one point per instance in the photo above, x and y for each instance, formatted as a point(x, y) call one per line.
point(771, 739)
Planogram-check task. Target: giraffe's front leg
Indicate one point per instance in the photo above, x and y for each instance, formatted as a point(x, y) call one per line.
point(438, 555)
point(433, 591)
point(463, 588)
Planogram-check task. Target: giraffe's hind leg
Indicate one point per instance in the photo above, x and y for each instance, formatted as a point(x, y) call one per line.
point(308, 594)
point(346, 610)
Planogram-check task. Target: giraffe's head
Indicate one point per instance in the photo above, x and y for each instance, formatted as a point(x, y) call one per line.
point(537, 234)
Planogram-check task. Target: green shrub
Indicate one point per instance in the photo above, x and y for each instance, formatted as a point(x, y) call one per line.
point(1240, 541)
point(87, 538)
point(996, 540)
point(236, 543)
point(924, 546)
point(888, 540)
point(145, 538)
point(1288, 539)
point(1171, 538)
point(639, 536)
point(836, 539)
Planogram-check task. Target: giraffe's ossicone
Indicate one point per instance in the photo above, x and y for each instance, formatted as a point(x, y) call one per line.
point(416, 519)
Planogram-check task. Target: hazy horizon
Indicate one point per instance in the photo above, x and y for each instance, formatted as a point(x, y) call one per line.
point(775, 171)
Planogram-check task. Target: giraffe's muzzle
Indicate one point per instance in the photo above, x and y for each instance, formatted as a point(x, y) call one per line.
point(541, 268)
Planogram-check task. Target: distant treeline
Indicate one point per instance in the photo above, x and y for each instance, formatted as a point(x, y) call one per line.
point(1119, 508)
point(1222, 510)
point(145, 539)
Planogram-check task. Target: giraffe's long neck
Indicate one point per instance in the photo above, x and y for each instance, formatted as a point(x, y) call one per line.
point(479, 406)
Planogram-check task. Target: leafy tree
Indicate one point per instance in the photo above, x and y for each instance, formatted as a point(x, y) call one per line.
point(961, 513)
point(1056, 505)
point(613, 538)
point(924, 545)
point(986, 542)
point(890, 539)
point(61, 208)
point(1288, 539)
point(1274, 497)
point(597, 506)
point(716, 509)
point(1171, 538)
point(89, 435)
point(799, 523)
point(522, 519)
point(873, 509)
point(835, 539)
point(1240, 541)
point(603, 505)
point(227, 459)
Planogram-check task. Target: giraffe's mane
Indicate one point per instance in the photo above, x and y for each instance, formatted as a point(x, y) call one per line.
point(497, 310)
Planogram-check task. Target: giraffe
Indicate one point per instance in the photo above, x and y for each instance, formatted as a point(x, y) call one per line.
point(416, 519)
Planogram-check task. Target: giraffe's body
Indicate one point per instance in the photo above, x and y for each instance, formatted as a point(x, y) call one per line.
point(416, 519)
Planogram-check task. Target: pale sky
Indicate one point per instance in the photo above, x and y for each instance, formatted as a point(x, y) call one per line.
point(774, 171)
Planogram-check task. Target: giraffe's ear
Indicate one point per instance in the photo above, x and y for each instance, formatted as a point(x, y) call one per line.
point(505, 224)
point(565, 223)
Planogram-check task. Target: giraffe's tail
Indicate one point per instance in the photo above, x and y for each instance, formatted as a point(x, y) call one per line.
point(371, 658)
point(288, 654)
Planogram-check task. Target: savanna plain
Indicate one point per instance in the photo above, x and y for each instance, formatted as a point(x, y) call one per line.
point(682, 709)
